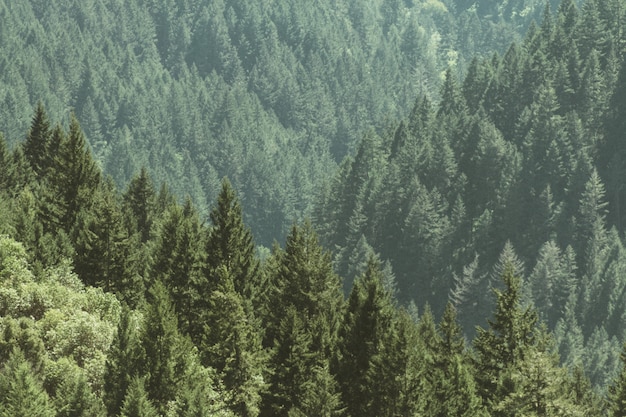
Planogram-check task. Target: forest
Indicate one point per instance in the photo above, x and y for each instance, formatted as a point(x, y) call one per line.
point(346, 208)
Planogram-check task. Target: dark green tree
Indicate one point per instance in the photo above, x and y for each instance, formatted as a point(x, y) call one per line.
point(232, 345)
point(230, 244)
point(617, 391)
point(75, 398)
point(73, 180)
point(163, 346)
point(22, 392)
point(367, 334)
point(37, 145)
point(139, 202)
point(125, 361)
point(510, 334)
point(136, 401)
point(177, 261)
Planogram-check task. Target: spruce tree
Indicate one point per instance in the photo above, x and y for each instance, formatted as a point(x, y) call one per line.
point(139, 201)
point(22, 392)
point(37, 145)
point(368, 333)
point(73, 179)
point(125, 361)
point(305, 280)
point(509, 335)
point(164, 346)
point(233, 346)
point(617, 391)
point(136, 402)
point(230, 244)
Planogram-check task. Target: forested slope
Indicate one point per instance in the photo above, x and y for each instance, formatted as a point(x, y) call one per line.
point(528, 149)
point(127, 304)
point(270, 95)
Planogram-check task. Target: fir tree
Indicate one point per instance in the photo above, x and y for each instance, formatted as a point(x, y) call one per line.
point(37, 145)
point(139, 200)
point(22, 392)
point(136, 402)
point(125, 361)
point(617, 391)
point(230, 244)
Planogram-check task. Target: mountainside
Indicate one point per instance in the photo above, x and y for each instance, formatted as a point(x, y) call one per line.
point(527, 153)
point(271, 95)
point(465, 258)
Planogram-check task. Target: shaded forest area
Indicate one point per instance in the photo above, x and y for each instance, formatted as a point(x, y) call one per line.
point(479, 240)
point(271, 95)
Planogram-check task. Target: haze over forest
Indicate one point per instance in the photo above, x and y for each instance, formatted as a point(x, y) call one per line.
point(330, 208)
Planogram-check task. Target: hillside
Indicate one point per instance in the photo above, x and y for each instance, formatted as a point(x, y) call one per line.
point(272, 97)
point(525, 153)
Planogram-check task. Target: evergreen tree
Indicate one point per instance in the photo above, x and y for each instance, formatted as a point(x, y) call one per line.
point(230, 245)
point(139, 201)
point(166, 350)
point(73, 179)
point(510, 334)
point(233, 346)
point(37, 145)
point(305, 280)
point(367, 332)
point(177, 262)
point(136, 402)
point(125, 362)
point(617, 391)
point(22, 392)
point(74, 398)
point(103, 246)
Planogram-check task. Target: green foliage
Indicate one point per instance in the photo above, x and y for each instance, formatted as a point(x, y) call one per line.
point(22, 392)
point(521, 150)
point(136, 402)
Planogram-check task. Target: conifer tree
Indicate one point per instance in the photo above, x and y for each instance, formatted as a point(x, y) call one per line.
point(510, 334)
point(22, 392)
point(368, 331)
point(73, 180)
point(136, 402)
point(304, 279)
point(165, 348)
point(230, 244)
point(37, 145)
point(125, 362)
point(233, 346)
point(103, 246)
point(139, 201)
point(617, 391)
point(74, 398)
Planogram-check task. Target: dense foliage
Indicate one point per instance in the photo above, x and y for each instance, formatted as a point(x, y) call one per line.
point(164, 314)
point(528, 148)
point(270, 95)
point(477, 260)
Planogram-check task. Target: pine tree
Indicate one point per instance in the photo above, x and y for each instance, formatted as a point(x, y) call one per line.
point(102, 246)
point(165, 348)
point(139, 201)
point(230, 244)
point(37, 145)
point(74, 398)
point(233, 346)
point(136, 402)
point(510, 334)
point(22, 392)
point(125, 361)
point(178, 259)
point(366, 334)
point(73, 179)
point(617, 391)
point(305, 280)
